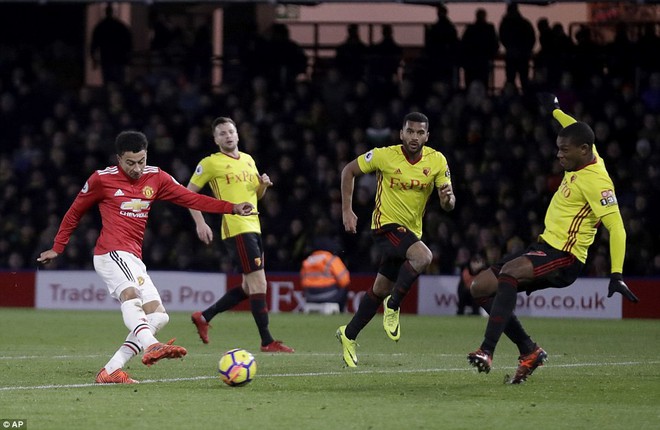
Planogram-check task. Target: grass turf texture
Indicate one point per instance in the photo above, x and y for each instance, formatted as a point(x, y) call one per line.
point(601, 374)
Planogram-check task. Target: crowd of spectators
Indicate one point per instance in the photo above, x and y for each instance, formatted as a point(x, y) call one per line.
point(500, 149)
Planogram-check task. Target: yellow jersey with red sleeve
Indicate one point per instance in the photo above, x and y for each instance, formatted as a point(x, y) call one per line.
point(584, 197)
point(235, 180)
point(403, 187)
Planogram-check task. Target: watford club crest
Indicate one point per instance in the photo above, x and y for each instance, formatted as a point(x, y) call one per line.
point(426, 171)
point(257, 262)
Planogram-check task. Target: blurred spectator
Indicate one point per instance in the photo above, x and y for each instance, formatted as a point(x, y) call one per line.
point(440, 53)
point(282, 58)
point(587, 60)
point(479, 46)
point(111, 47)
point(648, 46)
point(518, 38)
point(621, 55)
point(383, 66)
point(166, 39)
point(561, 55)
point(651, 94)
point(542, 57)
point(351, 55)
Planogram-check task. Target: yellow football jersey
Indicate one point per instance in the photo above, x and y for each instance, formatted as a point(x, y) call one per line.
point(575, 211)
point(234, 180)
point(403, 187)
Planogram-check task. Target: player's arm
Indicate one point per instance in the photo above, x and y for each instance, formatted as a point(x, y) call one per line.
point(348, 175)
point(550, 103)
point(204, 232)
point(176, 193)
point(85, 199)
point(614, 224)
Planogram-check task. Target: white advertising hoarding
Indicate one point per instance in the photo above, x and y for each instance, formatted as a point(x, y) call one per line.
point(586, 298)
point(179, 291)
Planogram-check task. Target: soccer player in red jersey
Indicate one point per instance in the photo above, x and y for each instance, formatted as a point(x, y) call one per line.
point(124, 195)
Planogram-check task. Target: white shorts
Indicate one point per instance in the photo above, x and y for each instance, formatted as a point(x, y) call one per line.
point(120, 270)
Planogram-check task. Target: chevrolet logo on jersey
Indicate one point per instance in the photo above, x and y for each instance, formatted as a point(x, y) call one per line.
point(135, 205)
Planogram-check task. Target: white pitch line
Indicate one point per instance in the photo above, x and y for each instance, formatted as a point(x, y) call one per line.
point(313, 374)
point(36, 357)
point(209, 354)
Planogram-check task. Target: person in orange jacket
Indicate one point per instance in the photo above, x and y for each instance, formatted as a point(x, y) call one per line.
point(324, 277)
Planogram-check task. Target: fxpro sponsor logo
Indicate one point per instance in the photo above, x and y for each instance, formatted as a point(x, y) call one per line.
point(285, 296)
point(586, 298)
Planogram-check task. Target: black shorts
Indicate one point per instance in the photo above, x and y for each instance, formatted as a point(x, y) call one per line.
point(393, 241)
point(552, 268)
point(246, 251)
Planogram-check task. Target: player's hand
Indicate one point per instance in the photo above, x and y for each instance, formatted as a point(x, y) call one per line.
point(446, 193)
point(350, 221)
point(204, 233)
point(264, 179)
point(244, 209)
point(47, 256)
point(618, 286)
point(548, 102)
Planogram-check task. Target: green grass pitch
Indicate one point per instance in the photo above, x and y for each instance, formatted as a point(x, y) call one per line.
point(600, 375)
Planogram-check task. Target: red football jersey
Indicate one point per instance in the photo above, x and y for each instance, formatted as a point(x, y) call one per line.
point(125, 203)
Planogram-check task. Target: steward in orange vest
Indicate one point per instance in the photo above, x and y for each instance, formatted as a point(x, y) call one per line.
point(324, 278)
point(468, 273)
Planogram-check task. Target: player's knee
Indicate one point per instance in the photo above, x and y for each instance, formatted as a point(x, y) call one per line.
point(483, 285)
point(479, 290)
point(510, 269)
point(422, 260)
point(129, 293)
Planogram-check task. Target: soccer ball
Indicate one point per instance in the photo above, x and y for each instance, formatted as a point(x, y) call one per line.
point(237, 367)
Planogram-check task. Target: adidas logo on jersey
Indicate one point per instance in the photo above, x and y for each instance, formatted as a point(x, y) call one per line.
point(119, 193)
point(397, 172)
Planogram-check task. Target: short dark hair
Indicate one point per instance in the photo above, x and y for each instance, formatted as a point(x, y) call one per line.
point(221, 120)
point(130, 141)
point(578, 133)
point(416, 117)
